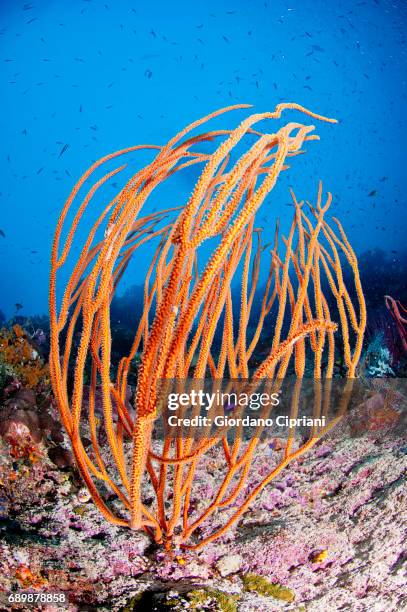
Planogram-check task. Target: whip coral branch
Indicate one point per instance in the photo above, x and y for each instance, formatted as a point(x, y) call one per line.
point(188, 328)
point(396, 309)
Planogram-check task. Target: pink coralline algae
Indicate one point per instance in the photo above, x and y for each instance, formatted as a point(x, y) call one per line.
point(331, 532)
point(327, 535)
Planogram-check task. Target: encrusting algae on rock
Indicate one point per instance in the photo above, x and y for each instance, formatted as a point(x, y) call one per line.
point(262, 586)
point(196, 600)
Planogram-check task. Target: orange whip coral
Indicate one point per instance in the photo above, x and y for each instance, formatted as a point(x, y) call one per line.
point(188, 304)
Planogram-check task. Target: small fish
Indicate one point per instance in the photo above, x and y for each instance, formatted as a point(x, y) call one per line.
point(2, 234)
point(18, 306)
point(372, 193)
point(64, 148)
point(148, 74)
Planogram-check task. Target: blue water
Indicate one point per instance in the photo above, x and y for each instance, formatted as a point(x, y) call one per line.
point(100, 76)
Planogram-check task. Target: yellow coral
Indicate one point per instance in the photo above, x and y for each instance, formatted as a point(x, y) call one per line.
point(24, 361)
point(319, 556)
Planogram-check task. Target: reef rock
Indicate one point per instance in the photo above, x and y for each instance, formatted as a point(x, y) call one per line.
point(328, 534)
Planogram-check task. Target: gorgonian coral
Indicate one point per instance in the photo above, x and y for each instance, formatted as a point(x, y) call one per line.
point(200, 248)
point(399, 314)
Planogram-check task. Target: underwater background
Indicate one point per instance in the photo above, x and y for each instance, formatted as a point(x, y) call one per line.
point(81, 79)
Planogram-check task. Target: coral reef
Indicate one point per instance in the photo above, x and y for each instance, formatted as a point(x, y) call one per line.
point(19, 357)
point(376, 359)
point(306, 542)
